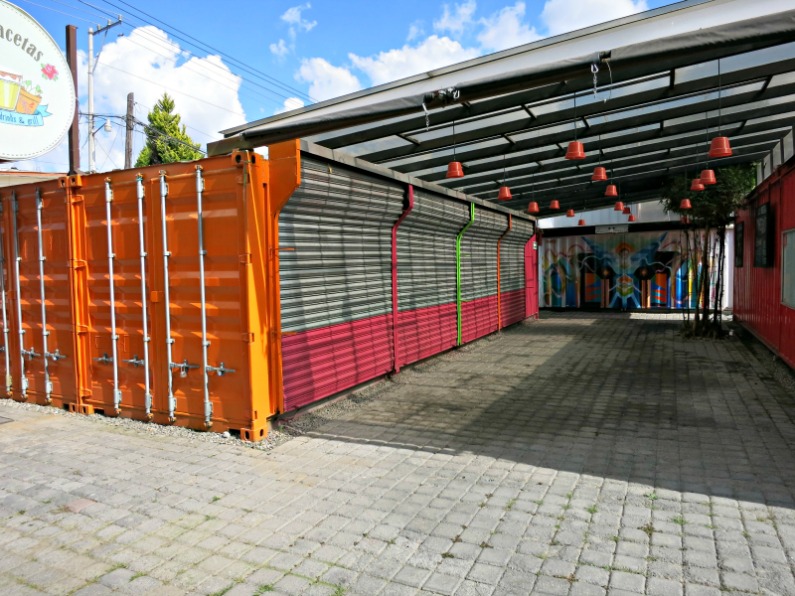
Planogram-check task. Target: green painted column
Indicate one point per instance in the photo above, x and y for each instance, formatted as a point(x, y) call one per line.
point(458, 267)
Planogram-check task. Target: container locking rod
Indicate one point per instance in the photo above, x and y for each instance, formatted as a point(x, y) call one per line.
point(135, 361)
point(56, 355)
point(220, 370)
point(104, 359)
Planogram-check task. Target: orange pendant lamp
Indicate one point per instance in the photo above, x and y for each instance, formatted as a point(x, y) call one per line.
point(570, 213)
point(619, 206)
point(696, 185)
point(719, 146)
point(684, 204)
point(631, 217)
point(611, 190)
point(532, 207)
point(454, 168)
point(599, 174)
point(581, 222)
point(504, 194)
point(554, 205)
point(707, 177)
point(626, 210)
point(575, 150)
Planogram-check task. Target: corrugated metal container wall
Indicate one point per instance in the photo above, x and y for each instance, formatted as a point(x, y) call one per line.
point(335, 237)
point(513, 299)
point(426, 243)
point(43, 362)
point(757, 289)
point(7, 310)
point(479, 274)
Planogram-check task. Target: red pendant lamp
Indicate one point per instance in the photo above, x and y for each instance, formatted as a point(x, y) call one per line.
point(581, 222)
point(719, 146)
point(696, 185)
point(575, 150)
point(611, 190)
point(554, 205)
point(619, 206)
point(626, 210)
point(707, 177)
point(532, 207)
point(684, 204)
point(505, 193)
point(570, 213)
point(631, 217)
point(599, 174)
point(454, 168)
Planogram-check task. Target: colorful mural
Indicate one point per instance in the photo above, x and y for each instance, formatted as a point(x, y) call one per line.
point(622, 271)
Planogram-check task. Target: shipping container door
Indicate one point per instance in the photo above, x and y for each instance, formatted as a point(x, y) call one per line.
point(531, 277)
point(7, 307)
point(512, 271)
point(426, 263)
point(119, 365)
point(201, 292)
point(44, 360)
point(335, 237)
point(479, 274)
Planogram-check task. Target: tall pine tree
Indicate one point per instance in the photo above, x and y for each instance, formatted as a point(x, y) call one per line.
point(166, 138)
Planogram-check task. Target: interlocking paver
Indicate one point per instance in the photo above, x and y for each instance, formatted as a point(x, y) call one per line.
point(580, 454)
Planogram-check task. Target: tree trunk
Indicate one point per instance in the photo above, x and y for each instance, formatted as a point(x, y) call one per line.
point(720, 287)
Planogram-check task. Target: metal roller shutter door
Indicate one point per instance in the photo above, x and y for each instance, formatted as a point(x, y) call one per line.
point(335, 235)
point(426, 242)
point(479, 274)
point(512, 271)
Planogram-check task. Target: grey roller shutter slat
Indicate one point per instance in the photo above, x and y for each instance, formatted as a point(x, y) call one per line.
point(512, 265)
point(479, 254)
point(336, 246)
point(426, 251)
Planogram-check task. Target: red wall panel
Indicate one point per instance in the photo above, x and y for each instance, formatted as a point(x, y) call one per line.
point(321, 362)
point(512, 306)
point(478, 318)
point(426, 331)
point(757, 290)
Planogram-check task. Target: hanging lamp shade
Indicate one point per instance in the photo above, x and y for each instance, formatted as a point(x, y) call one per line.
point(570, 213)
point(504, 194)
point(626, 210)
point(685, 204)
point(455, 170)
point(696, 185)
point(707, 177)
point(576, 150)
point(554, 204)
point(532, 207)
point(619, 206)
point(720, 147)
point(611, 190)
point(599, 174)
point(581, 222)
point(631, 217)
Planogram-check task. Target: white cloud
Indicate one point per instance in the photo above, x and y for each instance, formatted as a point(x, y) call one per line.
point(416, 30)
point(326, 80)
point(456, 21)
point(148, 63)
point(293, 17)
point(506, 29)
point(432, 53)
point(561, 16)
point(291, 103)
point(279, 48)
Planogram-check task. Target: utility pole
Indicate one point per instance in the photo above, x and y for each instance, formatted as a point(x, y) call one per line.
point(74, 131)
point(128, 139)
point(91, 66)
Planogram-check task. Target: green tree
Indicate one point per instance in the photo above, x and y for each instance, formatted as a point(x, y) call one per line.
point(166, 139)
point(712, 209)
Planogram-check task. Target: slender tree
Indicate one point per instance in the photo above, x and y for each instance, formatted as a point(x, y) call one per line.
point(166, 138)
point(713, 209)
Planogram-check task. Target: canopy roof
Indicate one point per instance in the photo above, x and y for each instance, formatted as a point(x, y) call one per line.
point(645, 106)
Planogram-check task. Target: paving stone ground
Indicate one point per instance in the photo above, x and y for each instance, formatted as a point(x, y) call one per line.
point(580, 454)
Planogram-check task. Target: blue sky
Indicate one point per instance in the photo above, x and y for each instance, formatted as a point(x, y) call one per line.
point(239, 62)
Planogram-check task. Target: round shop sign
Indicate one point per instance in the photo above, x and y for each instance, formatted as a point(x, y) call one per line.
point(37, 93)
